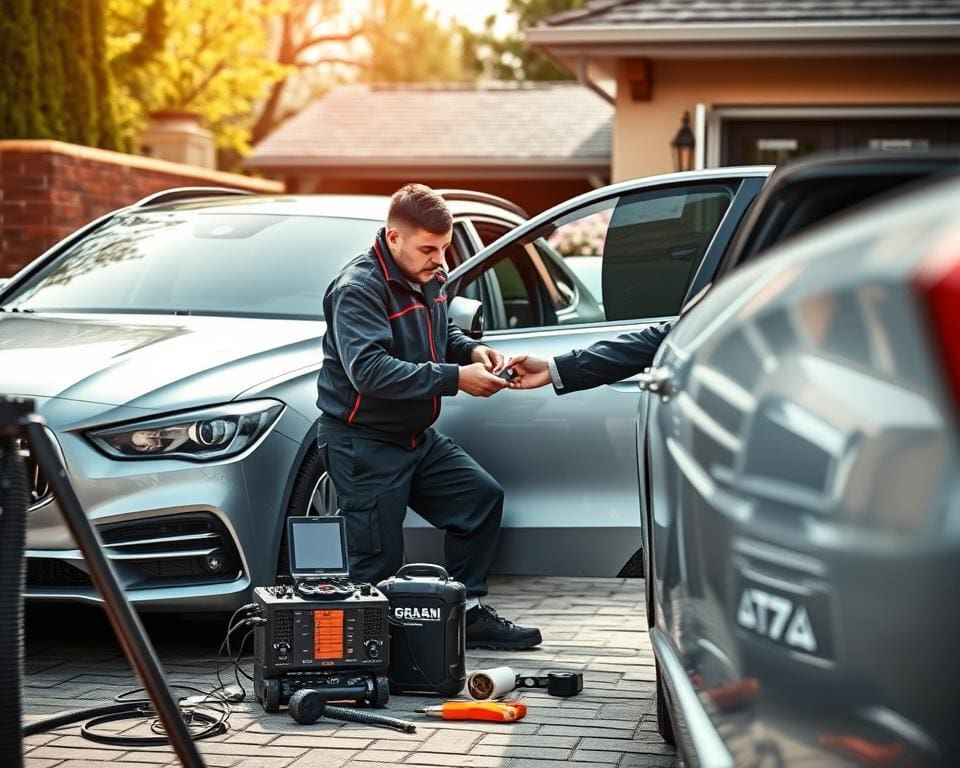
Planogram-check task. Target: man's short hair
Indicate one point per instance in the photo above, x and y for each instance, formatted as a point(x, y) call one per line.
point(416, 206)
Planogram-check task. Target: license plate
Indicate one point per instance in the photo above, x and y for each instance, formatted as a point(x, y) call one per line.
point(797, 620)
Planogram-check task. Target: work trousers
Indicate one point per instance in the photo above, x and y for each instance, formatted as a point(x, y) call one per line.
point(377, 480)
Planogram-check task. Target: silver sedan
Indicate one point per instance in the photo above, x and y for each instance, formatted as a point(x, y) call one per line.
point(173, 348)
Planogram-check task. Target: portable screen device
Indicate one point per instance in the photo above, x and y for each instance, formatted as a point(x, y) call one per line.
point(323, 632)
point(318, 547)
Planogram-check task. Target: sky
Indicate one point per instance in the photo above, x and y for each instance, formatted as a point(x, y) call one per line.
point(469, 12)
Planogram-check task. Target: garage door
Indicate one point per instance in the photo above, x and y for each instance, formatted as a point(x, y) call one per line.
point(748, 142)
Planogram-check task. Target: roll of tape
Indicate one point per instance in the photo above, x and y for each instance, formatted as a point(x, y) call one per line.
point(490, 683)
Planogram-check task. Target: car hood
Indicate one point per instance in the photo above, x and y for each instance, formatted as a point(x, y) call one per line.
point(148, 361)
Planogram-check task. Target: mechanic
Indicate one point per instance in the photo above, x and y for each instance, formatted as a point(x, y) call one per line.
point(604, 362)
point(389, 355)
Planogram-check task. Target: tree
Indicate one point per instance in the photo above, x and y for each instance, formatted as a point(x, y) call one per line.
point(20, 110)
point(392, 41)
point(489, 54)
point(203, 56)
point(305, 39)
point(53, 77)
point(408, 44)
point(136, 32)
point(53, 84)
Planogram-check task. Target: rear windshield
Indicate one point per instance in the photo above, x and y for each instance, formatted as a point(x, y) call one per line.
point(201, 263)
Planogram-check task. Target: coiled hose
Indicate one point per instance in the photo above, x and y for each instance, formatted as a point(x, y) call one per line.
point(13, 523)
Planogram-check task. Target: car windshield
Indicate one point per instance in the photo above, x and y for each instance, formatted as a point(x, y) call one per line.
point(201, 263)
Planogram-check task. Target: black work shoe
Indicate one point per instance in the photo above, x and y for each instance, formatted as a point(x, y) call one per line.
point(485, 629)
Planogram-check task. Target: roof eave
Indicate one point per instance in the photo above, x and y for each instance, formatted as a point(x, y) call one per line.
point(458, 163)
point(853, 33)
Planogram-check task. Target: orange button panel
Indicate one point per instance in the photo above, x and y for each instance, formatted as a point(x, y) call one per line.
point(328, 634)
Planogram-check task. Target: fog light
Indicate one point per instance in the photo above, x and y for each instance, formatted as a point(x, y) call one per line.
point(215, 561)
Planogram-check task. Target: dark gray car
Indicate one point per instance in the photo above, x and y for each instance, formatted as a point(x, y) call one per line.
point(802, 491)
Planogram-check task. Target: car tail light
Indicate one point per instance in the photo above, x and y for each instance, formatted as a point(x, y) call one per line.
point(865, 752)
point(939, 285)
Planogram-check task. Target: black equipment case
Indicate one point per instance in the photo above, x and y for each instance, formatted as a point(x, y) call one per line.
point(427, 630)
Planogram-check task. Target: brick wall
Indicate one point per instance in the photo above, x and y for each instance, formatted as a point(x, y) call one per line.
point(49, 188)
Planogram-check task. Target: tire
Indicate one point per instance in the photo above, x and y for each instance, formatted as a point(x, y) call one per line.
point(313, 494)
point(664, 723)
point(381, 692)
point(633, 568)
point(271, 696)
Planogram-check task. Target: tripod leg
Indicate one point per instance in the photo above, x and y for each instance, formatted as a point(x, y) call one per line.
point(13, 523)
point(126, 624)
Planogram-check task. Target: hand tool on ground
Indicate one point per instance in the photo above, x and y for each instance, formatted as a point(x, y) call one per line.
point(494, 711)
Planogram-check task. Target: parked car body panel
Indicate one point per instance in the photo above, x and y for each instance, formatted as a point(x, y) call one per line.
point(804, 475)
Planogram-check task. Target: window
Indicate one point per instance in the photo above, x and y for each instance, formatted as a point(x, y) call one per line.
point(194, 261)
point(623, 258)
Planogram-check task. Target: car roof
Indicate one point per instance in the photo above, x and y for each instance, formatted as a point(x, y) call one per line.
point(825, 174)
point(366, 207)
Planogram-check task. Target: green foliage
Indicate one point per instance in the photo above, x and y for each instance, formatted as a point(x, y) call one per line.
point(53, 85)
point(507, 57)
point(213, 61)
point(136, 31)
point(53, 77)
point(21, 113)
point(408, 44)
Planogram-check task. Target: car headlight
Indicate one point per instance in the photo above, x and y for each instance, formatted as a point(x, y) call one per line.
point(201, 435)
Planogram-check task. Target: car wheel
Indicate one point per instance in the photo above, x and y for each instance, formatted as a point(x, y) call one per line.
point(633, 568)
point(664, 724)
point(313, 494)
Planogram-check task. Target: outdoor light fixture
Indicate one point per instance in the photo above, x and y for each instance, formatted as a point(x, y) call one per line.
point(683, 144)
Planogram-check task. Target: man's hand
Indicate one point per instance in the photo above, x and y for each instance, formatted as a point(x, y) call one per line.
point(476, 380)
point(491, 359)
point(529, 372)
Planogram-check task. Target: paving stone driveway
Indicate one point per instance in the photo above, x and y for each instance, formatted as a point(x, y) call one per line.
point(593, 625)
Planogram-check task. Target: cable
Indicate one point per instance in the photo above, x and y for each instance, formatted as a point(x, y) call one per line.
point(367, 718)
point(236, 663)
point(413, 655)
point(206, 714)
point(231, 628)
point(73, 716)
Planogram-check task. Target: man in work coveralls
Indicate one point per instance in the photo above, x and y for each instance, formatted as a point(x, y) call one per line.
point(389, 356)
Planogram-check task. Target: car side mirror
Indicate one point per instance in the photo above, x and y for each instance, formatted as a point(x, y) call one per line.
point(467, 315)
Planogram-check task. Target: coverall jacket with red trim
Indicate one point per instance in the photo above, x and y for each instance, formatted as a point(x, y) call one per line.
point(390, 352)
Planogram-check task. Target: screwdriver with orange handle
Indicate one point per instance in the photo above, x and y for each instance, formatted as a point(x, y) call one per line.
point(495, 711)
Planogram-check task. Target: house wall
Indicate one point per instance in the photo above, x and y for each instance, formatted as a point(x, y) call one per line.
point(49, 188)
point(643, 130)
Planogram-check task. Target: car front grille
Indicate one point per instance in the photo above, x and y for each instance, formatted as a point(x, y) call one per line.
point(190, 547)
point(187, 549)
point(40, 490)
point(44, 572)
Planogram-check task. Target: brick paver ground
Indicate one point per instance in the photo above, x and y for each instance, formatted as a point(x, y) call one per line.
point(593, 625)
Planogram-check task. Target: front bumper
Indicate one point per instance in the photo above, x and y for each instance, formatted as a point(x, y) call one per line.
point(180, 535)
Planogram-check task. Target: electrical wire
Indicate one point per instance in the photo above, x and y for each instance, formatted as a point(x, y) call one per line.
point(207, 713)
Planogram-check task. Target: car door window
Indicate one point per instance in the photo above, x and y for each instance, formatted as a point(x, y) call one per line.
point(514, 286)
point(623, 258)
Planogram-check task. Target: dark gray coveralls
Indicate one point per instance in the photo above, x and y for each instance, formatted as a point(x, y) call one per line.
point(389, 355)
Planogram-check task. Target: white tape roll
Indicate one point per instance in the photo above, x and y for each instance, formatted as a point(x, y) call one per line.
point(490, 683)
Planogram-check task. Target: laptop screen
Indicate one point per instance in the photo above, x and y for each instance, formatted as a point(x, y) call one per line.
point(317, 546)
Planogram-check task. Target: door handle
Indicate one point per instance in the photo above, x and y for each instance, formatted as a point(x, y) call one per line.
point(657, 381)
point(627, 385)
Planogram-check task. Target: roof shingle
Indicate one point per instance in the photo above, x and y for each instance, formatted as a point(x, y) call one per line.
point(463, 125)
point(655, 12)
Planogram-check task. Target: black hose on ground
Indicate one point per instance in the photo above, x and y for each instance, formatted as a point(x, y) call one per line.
point(76, 715)
point(13, 522)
